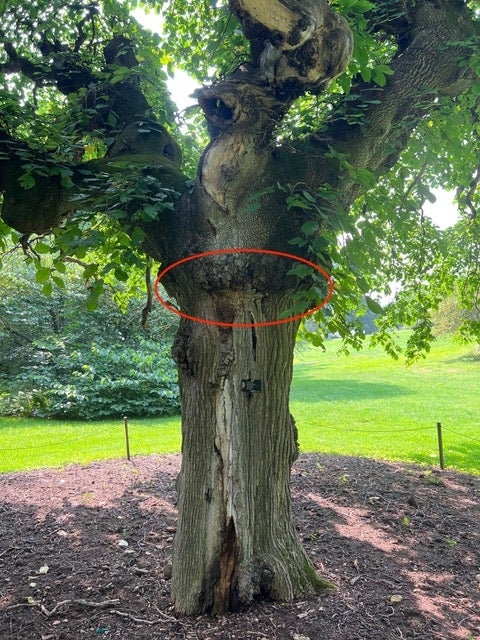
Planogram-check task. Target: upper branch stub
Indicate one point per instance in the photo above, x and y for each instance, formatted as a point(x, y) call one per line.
point(296, 45)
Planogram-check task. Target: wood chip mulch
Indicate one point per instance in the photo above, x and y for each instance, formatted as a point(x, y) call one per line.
point(85, 553)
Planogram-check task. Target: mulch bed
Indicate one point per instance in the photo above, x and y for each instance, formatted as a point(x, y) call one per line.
point(400, 542)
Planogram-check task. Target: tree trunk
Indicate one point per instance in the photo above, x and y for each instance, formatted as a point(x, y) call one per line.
point(235, 538)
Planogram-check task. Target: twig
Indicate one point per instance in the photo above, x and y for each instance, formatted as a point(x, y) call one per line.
point(130, 616)
point(72, 260)
point(84, 603)
point(62, 603)
point(22, 604)
point(98, 605)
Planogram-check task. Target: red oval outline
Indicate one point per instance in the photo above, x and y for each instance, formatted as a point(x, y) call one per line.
point(243, 325)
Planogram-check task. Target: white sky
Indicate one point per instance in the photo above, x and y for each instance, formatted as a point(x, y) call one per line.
point(443, 212)
point(181, 87)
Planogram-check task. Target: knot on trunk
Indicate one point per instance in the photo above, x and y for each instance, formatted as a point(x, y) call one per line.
point(147, 137)
point(237, 105)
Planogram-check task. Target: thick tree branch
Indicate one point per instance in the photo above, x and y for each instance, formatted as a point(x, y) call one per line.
point(118, 108)
point(141, 148)
point(121, 103)
point(374, 123)
point(424, 70)
point(18, 64)
point(296, 46)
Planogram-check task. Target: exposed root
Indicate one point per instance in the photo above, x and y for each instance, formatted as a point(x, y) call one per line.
point(105, 604)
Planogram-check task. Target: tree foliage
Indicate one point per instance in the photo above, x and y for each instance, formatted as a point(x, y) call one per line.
point(73, 76)
point(59, 360)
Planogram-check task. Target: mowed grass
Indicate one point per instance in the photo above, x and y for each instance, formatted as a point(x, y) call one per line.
point(365, 404)
point(35, 443)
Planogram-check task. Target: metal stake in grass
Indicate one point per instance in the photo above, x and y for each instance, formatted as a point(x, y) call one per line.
point(127, 442)
point(440, 445)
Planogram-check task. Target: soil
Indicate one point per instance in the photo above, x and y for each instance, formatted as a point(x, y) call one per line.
point(85, 553)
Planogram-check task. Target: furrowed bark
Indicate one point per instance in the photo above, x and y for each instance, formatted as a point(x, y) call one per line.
point(236, 540)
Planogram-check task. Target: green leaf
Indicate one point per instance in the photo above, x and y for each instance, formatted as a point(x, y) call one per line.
point(120, 274)
point(92, 303)
point(362, 284)
point(366, 74)
point(41, 247)
point(59, 266)
point(252, 207)
point(66, 182)
point(310, 227)
point(27, 181)
point(150, 212)
point(308, 196)
point(374, 306)
point(137, 235)
point(42, 275)
point(90, 271)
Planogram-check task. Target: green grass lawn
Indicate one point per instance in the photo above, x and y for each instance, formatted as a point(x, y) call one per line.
point(31, 444)
point(369, 405)
point(365, 404)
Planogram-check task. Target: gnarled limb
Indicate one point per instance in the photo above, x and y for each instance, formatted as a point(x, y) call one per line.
point(295, 45)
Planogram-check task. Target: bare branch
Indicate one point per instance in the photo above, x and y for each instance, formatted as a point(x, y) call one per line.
point(105, 604)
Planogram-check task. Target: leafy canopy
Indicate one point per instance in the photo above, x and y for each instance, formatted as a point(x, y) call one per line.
point(382, 248)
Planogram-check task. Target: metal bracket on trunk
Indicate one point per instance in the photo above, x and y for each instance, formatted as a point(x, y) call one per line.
point(250, 386)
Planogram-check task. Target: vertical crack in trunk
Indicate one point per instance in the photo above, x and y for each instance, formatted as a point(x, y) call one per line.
point(235, 539)
point(225, 594)
point(254, 342)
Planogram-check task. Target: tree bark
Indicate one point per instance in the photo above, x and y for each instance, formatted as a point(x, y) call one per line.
point(235, 539)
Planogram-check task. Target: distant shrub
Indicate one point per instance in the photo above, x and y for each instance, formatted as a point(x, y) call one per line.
point(59, 360)
point(97, 382)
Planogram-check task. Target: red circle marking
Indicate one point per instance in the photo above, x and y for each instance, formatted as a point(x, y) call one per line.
point(243, 325)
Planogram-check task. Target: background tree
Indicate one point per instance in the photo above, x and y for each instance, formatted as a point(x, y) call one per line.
point(335, 170)
point(59, 360)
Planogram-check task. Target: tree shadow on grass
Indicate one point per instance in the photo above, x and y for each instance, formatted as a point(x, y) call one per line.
point(472, 356)
point(399, 541)
point(326, 390)
point(461, 450)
